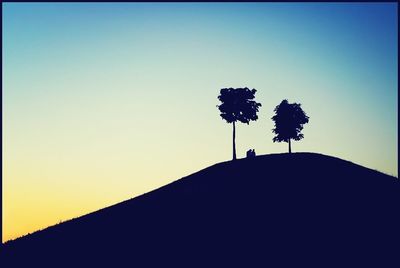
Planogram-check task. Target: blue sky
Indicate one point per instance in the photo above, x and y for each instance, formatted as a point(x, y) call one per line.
point(105, 101)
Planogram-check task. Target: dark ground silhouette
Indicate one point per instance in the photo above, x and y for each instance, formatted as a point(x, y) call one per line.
point(298, 210)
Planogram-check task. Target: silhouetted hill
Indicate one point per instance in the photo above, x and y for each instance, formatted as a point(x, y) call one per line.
point(280, 210)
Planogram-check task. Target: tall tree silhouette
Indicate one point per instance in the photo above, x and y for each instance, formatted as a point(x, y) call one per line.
point(289, 120)
point(238, 105)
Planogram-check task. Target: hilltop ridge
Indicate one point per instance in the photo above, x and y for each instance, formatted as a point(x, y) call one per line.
point(301, 209)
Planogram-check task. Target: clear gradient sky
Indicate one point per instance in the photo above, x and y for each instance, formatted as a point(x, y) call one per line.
point(103, 102)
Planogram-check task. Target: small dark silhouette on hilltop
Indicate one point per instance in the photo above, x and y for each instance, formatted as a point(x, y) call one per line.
point(238, 105)
point(251, 153)
point(320, 212)
point(289, 119)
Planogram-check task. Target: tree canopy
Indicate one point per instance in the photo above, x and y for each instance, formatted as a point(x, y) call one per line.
point(238, 104)
point(289, 119)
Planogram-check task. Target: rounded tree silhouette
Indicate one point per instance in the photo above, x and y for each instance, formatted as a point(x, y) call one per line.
point(289, 120)
point(237, 104)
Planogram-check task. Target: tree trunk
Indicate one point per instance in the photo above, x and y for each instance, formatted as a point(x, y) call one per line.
point(234, 144)
point(290, 147)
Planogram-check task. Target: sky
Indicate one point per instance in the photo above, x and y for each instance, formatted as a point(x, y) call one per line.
point(105, 101)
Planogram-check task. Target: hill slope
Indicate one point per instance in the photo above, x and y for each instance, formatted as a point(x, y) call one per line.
point(299, 210)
